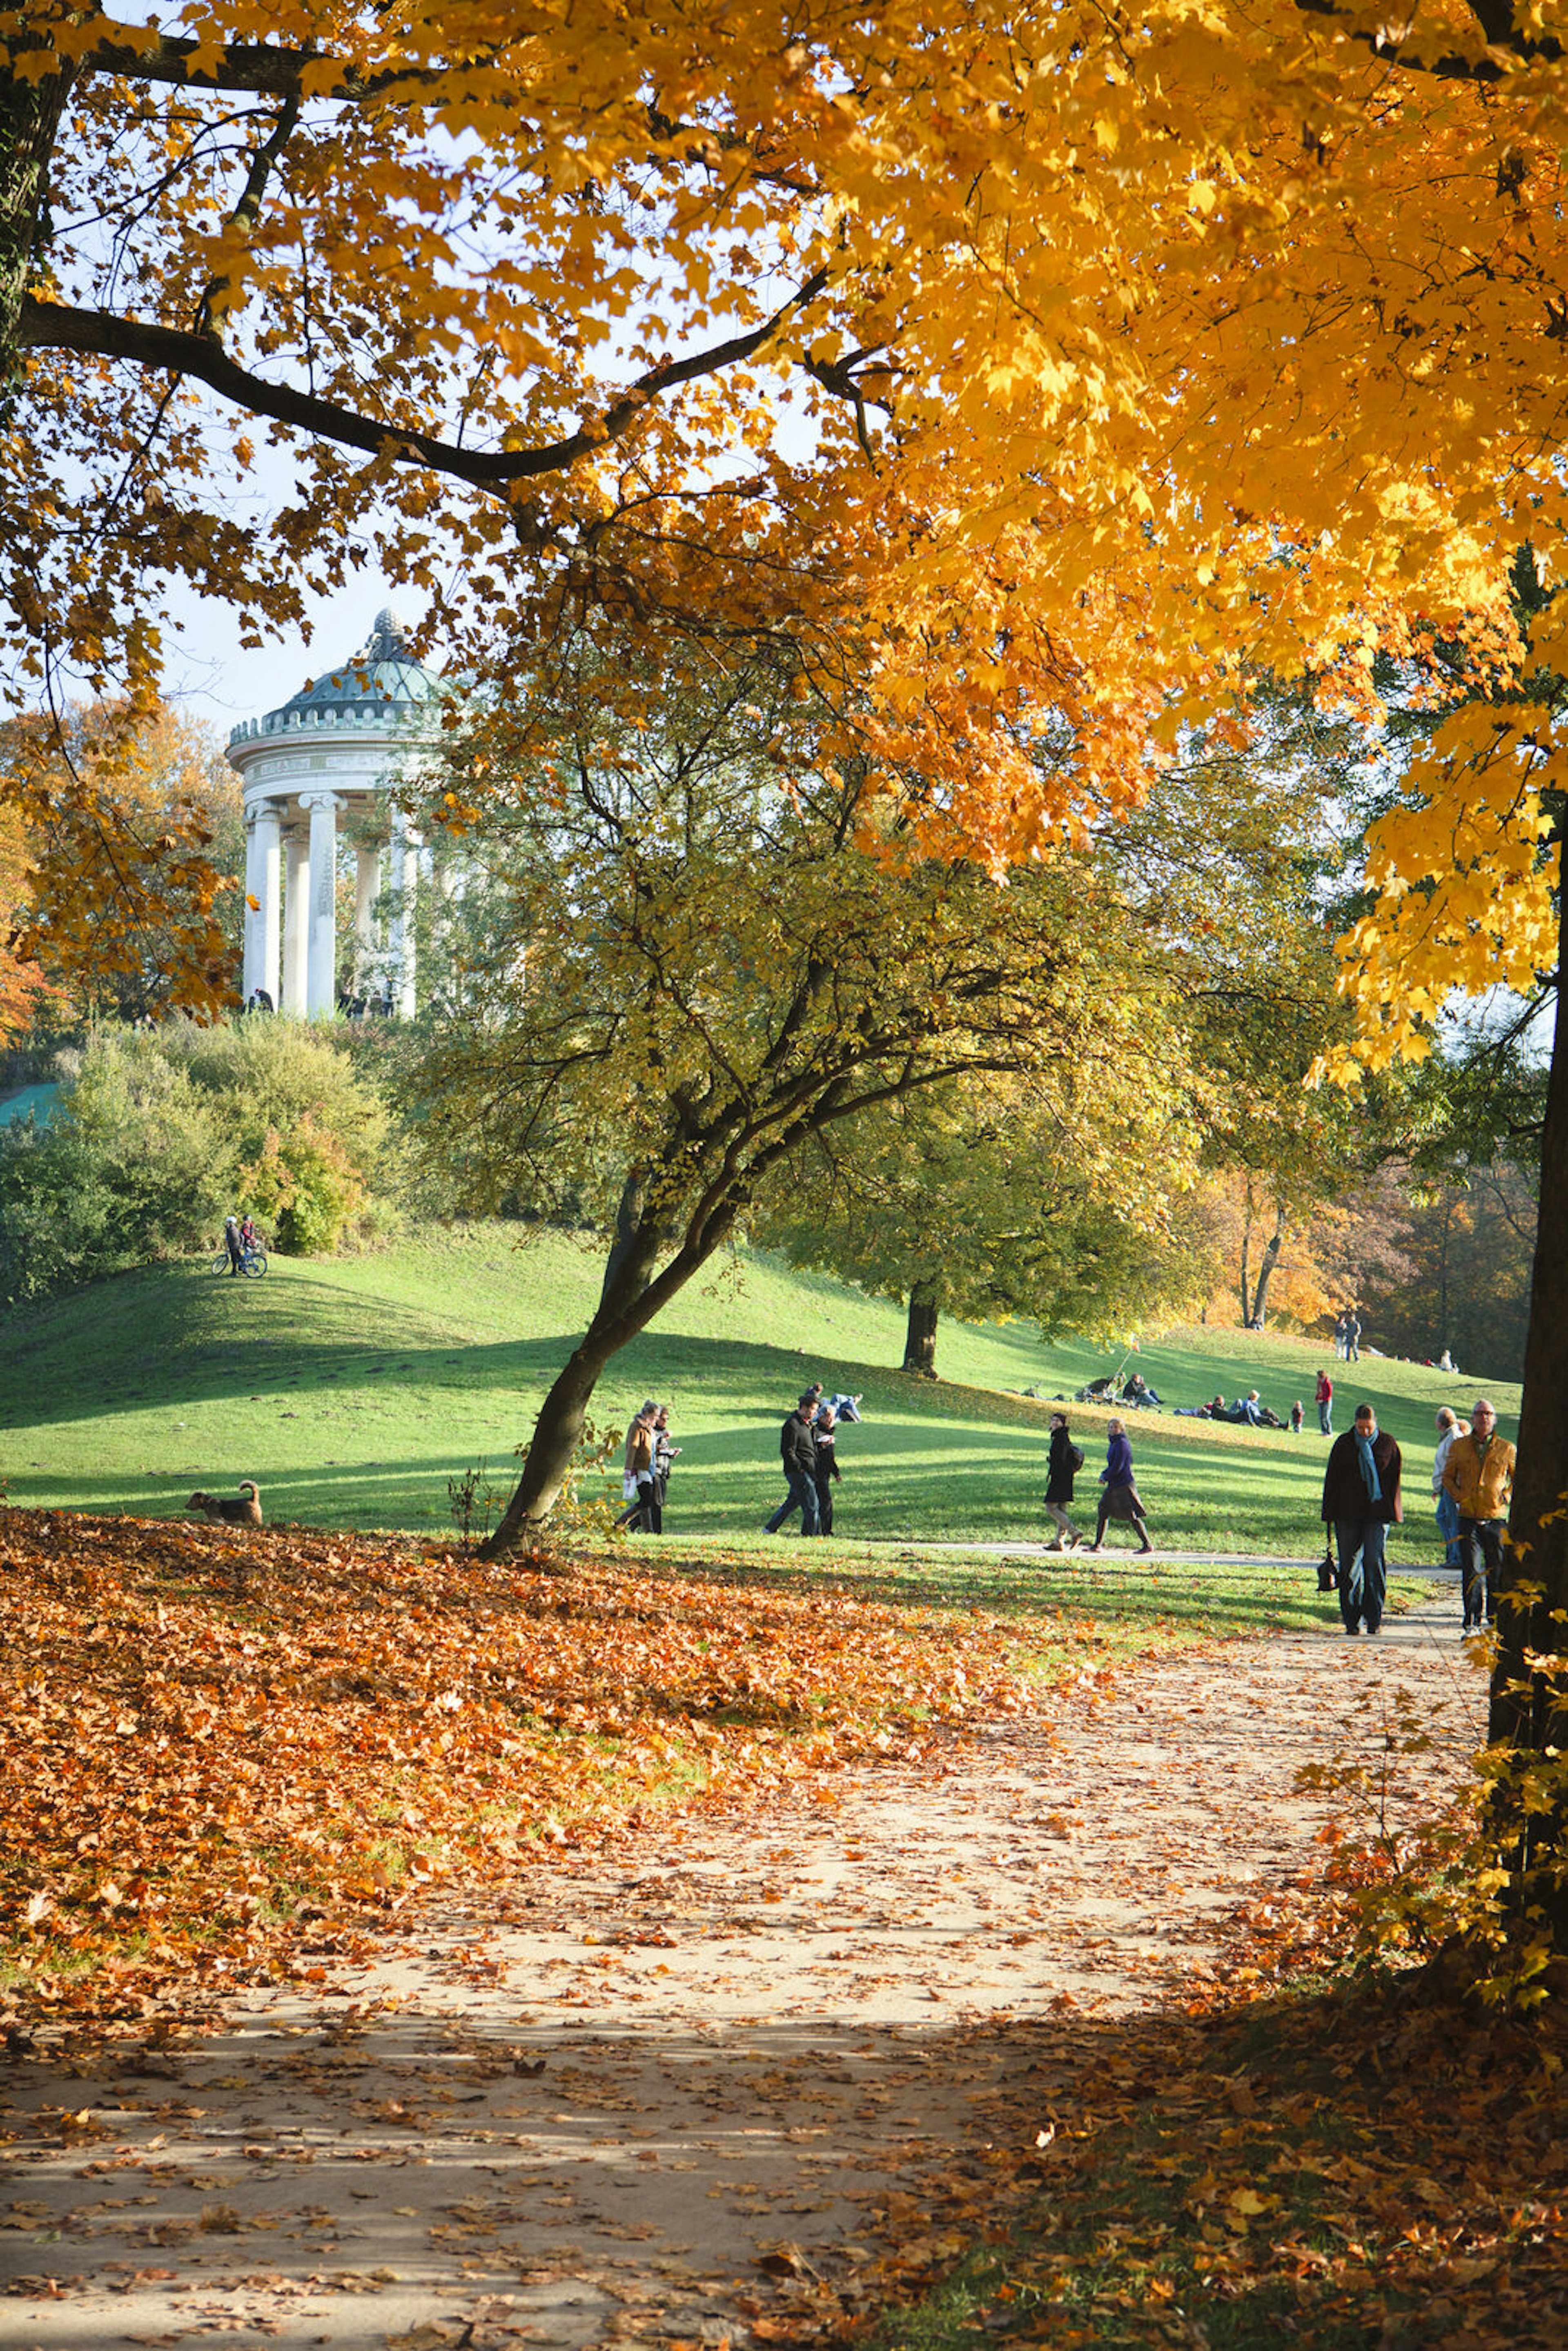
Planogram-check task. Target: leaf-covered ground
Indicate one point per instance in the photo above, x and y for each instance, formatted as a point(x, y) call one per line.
point(206, 1736)
point(977, 2038)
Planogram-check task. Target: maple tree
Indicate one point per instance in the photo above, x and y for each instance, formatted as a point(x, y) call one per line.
point(22, 984)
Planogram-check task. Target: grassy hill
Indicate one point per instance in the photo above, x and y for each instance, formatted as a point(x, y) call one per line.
point(352, 1390)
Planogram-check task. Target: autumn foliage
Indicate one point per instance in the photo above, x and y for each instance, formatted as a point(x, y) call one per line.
point(212, 1744)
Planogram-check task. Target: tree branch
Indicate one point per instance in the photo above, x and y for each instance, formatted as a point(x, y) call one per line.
point(1495, 17)
point(56, 326)
point(251, 65)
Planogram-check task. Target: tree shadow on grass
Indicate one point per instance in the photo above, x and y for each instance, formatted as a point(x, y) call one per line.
point(213, 1343)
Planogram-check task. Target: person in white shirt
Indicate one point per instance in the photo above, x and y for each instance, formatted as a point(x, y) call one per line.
point(1449, 1426)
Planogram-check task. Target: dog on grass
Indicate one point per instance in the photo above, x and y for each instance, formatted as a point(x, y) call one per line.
point(224, 1509)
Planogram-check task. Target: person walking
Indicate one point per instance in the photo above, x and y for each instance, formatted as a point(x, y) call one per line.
point(637, 1466)
point(1119, 1497)
point(1449, 1426)
point(1361, 1502)
point(1352, 1336)
point(798, 1453)
point(1479, 1474)
point(1066, 1460)
point(825, 1472)
point(1325, 1403)
point(665, 1454)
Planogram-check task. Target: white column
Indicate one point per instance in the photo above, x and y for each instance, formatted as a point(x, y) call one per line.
point(400, 932)
point(253, 904)
point(268, 820)
point(321, 950)
point(296, 923)
point(367, 890)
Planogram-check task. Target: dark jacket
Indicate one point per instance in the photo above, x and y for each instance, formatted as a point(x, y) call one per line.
point(798, 1447)
point(1118, 1469)
point(826, 1465)
point(1345, 1489)
point(1063, 1466)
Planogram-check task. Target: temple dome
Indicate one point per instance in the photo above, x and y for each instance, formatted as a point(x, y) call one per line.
point(383, 679)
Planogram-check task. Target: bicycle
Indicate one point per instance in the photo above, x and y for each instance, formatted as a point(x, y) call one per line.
point(252, 1262)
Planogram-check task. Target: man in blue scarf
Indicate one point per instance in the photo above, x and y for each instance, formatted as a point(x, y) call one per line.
point(1361, 1501)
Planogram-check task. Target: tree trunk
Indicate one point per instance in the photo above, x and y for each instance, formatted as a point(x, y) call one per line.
point(1259, 1313)
point(1445, 1324)
point(1245, 1257)
point(29, 122)
point(1529, 1699)
point(558, 1432)
point(920, 1339)
point(628, 1301)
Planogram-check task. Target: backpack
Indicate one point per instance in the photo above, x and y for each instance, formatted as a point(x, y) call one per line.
point(1075, 1454)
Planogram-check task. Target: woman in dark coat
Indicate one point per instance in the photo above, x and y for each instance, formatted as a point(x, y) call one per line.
point(1119, 1495)
point(1066, 1459)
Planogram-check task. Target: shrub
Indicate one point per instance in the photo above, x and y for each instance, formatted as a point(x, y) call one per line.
point(134, 1165)
point(158, 1133)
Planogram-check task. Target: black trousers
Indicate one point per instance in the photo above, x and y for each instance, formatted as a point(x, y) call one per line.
point(1481, 1552)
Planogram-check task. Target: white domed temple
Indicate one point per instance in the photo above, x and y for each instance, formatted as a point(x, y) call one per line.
point(327, 764)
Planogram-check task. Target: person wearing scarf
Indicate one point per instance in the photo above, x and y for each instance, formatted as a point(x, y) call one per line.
point(1361, 1501)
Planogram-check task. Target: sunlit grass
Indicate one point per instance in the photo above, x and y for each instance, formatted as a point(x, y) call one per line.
point(352, 1391)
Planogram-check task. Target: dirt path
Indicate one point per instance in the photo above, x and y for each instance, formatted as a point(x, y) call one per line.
point(656, 2098)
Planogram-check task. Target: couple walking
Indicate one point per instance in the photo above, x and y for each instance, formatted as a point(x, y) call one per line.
point(645, 1470)
point(807, 1448)
point(1119, 1497)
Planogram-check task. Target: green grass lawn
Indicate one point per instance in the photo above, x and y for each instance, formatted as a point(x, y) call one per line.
point(353, 1389)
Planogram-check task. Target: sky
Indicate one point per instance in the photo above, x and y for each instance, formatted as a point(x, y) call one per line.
point(214, 677)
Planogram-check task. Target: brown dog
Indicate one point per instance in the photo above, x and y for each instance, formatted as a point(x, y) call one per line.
point(221, 1508)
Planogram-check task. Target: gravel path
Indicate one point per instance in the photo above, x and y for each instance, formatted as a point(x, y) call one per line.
point(667, 2092)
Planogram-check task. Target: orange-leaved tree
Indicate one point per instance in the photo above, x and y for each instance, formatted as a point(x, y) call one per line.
point(116, 809)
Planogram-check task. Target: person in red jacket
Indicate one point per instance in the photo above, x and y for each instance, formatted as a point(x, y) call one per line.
point(1325, 1403)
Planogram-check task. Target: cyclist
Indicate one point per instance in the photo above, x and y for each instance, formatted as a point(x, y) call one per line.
point(250, 1240)
point(234, 1244)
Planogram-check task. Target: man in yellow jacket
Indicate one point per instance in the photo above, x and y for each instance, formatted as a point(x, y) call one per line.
point(1479, 1474)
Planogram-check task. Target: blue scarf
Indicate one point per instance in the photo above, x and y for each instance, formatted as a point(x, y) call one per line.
point(1368, 1467)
